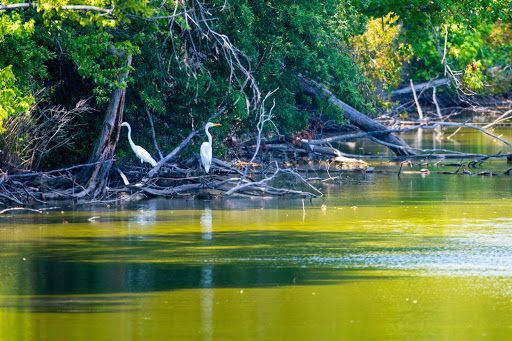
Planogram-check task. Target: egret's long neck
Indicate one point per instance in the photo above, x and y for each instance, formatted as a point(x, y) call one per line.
point(130, 137)
point(209, 136)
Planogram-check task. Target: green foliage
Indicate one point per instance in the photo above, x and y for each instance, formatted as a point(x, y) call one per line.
point(13, 25)
point(499, 42)
point(286, 38)
point(47, 41)
point(182, 70)
point(89, 49)
point(380, 54)
point(473, 77)
point(469, 26)
point(278, 40)
point(12, 101)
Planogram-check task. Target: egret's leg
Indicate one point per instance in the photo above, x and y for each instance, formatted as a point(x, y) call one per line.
point(210, 182)
point(203, 179)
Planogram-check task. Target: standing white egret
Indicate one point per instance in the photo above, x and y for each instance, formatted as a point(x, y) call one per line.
point(206, 148)
point(141, 153)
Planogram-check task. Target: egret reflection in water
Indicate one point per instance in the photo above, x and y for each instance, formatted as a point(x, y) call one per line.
point(207, 277)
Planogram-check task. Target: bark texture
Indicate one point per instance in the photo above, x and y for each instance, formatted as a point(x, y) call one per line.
point(94, 178)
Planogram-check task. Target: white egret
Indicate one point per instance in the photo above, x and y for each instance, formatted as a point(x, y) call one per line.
point(206, 148)
point(141, 153)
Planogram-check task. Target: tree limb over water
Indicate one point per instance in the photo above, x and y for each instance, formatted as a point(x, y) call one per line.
point(408, 90)
point(357, 118)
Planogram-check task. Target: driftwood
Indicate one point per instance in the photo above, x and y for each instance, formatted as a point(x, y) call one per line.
point(29, 189)
point(40, 210)
point(35, 188)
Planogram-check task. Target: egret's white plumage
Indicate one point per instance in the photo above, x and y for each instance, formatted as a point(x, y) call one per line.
point(141, 153)
point(206, 148)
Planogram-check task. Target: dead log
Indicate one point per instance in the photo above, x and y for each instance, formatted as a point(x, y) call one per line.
point(94, 178)
point(419, 87)
point(397, 145)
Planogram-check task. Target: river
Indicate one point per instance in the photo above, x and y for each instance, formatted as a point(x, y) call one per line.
point(415, 257)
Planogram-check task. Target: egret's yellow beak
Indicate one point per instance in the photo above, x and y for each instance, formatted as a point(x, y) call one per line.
point(217, 124)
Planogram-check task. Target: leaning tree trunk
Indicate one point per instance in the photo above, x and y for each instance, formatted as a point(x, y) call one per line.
point(94, 178)
point(357, 118)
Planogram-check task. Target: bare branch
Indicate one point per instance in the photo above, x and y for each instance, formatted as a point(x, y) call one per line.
point(189, 53)
point(420, 87)
point(67, 7)
point(264, 182)
point(263, 118)
point(420, 112)
point(176, 150)
point(371, 134)
point(438, 110)
point(502, 118)
point(26, 175)
point(153, 133)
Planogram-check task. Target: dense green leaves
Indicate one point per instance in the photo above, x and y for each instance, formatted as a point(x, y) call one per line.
point(13, 25)
point(191, 57)
point(12, 100)
point(468, 27)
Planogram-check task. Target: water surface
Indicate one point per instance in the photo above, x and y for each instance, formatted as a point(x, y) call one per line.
point(418, 257)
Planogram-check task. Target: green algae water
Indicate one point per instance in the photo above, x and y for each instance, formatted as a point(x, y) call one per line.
point(415, 257)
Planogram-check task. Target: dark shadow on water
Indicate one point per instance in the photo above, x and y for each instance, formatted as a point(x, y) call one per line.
point(68, 304)
point(62, 273)
point(245, 259)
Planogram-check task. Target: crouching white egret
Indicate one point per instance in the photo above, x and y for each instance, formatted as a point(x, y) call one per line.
point(206, 148)
point(141, 153)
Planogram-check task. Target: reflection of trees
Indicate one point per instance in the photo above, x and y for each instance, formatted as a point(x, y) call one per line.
point(159, 251)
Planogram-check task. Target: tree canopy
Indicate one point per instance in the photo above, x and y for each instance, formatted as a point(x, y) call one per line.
point(192, 57)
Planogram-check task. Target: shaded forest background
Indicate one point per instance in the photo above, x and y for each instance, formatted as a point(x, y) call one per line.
point(179, 62)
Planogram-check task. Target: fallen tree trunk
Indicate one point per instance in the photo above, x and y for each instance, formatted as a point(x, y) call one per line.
point(420, 87)
point(397, 145)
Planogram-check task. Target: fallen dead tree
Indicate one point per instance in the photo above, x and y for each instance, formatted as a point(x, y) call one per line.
point(225, 186)
point(61, 184)
point(348, 137)
point(380, 135)
point(408, 90)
